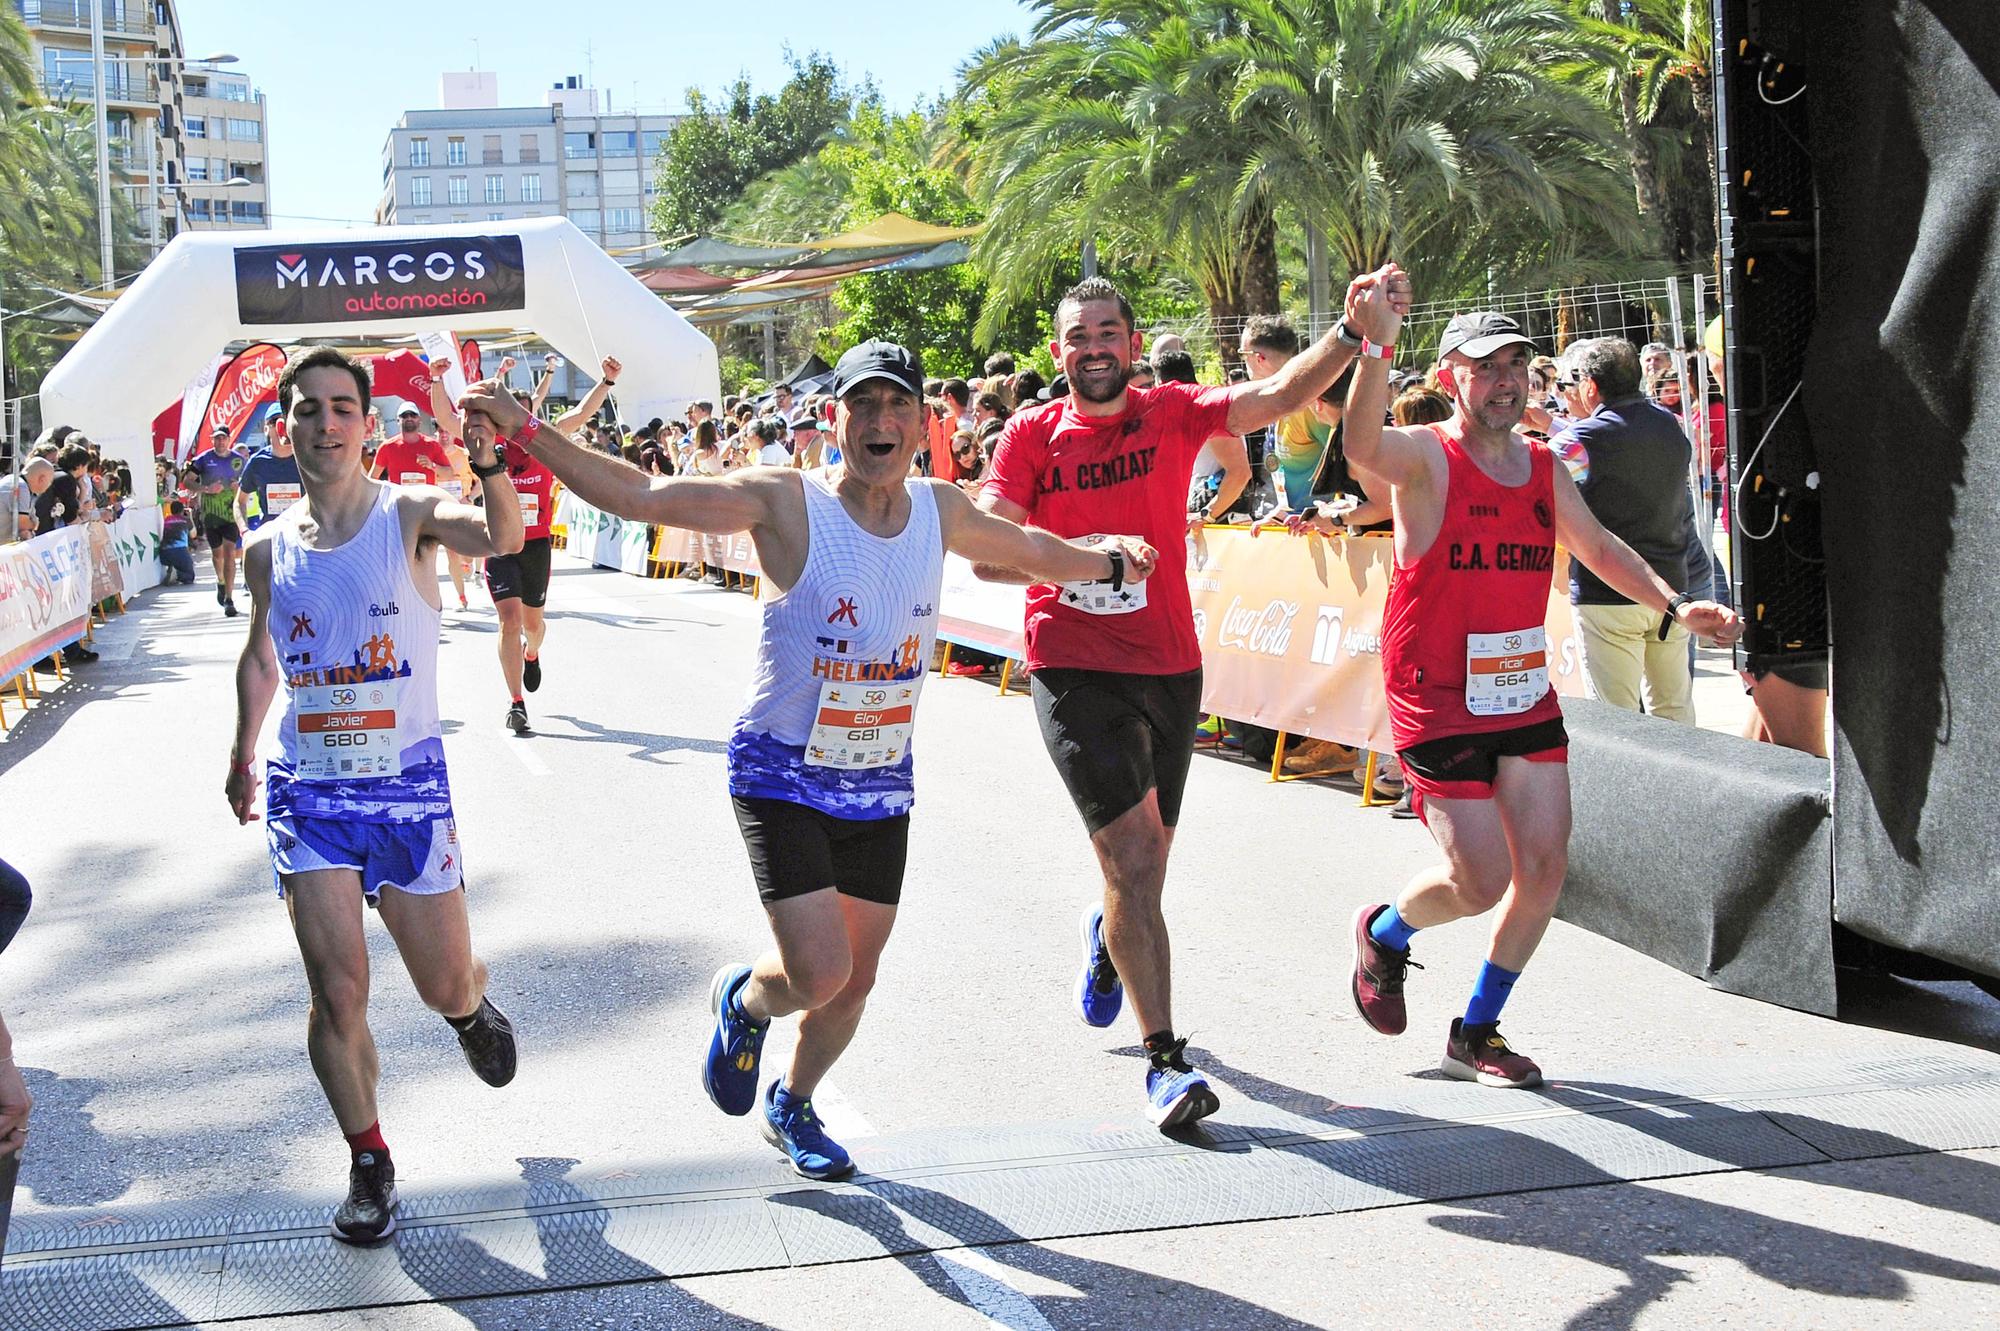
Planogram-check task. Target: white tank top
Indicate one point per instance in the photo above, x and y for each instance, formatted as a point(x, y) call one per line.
point(357, 646)
point(840, 664)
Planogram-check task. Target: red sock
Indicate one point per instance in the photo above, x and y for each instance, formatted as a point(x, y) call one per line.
point(520, 700)
point(532, 656)
point(368, 1139)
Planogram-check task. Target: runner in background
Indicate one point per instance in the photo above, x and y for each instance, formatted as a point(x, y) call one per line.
point(345, 618)
point(1117, 674)
point(819, 763)
point(218, 472)
point(270, 481)
point(1479, 511)
point(412, 457)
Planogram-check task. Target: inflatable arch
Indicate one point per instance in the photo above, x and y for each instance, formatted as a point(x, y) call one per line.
point(208, 289)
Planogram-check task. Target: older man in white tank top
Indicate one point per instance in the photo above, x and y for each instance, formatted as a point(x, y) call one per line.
point(819, 764)
point(345, 614)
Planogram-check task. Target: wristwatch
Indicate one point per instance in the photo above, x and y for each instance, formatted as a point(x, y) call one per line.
point(1117, 568)
point(1346, 334)
point(483, 472)
point(1673, 609)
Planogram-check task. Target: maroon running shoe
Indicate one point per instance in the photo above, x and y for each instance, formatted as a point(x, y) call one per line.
point(1377, 987)
point(1481, 1054)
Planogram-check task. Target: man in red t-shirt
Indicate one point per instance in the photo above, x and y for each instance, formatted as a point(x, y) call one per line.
point(412, 457)
point(1117, 670)
point(1479, 511)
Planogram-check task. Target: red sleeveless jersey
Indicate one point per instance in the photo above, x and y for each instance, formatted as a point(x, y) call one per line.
point(1463, 638)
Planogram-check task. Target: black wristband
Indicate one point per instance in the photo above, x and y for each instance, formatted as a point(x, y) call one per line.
point(483, 472)
point(1117, 568)
point(1673, 609)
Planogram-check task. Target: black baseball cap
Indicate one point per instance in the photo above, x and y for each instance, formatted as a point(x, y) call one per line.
point(1479, 335)
point(876, 359)
point(804, 420)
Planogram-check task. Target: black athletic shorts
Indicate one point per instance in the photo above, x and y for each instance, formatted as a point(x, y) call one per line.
point(524, 576)
point(796, 849)
point(219, 532)
point(1463, 767)
point(1116, 736)
point(1806, 672)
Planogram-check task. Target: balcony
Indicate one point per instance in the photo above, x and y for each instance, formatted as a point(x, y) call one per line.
point(119, 20)
point(74, 85)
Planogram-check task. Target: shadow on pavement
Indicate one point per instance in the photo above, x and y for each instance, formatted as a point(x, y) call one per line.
point(645, 745)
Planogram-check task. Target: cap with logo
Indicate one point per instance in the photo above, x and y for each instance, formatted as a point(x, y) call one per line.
point(876, 359)
point(1476, 336)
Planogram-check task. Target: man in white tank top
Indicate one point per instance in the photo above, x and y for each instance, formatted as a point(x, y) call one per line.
point(345, 617)
point(819, 766)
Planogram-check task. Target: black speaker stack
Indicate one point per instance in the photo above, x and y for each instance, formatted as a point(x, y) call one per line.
point(1770, 250)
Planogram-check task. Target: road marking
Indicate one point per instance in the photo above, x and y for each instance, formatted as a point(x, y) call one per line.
point(983, 1281)
point(526, 753)
point(838, 1110)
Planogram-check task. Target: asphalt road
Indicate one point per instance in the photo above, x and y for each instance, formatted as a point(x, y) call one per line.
point(158, 1006)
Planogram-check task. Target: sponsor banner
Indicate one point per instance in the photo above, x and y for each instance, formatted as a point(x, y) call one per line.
point(734, 552)
point(986, 616)
point(44, 597)
point(194, 409)
point(364, 281)
point(401, 374)
point(106, 580)
point(245, 384)
point(1291, 632)
point(605, 539)
point(135, 542)
point(443, 347)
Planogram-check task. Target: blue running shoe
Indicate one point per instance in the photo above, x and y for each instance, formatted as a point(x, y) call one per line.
point(791, 1125)
point(730, 1074)
point(1099, 991)
point(1177, 1095)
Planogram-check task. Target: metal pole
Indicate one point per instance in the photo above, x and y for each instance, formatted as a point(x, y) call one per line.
point(1318, 292)
point(159, 196)
point(103, 142)
point(1090, 258)
point(1693, 421)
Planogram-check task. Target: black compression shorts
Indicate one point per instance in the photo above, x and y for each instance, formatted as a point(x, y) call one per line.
point(1116, 736)
point(524, 576)
point(221, 533)
point(796, 849)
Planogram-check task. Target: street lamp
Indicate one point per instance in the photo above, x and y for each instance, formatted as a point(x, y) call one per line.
point(98, 60)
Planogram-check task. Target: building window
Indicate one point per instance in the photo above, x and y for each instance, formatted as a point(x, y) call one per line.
point(623, 219)
point(496, 217)
point(531, 188)
point(579, 145)
point(588, 219)
point(457, 190)
point(246, 210)
point(582, 187)
point(245, 131)
point(420, 152)
point(491, 152)
point(496, 189)
point(197, 127)
point(652, 141)
point(621, 143)
point(198, 210)
point(531, 148)
point(454, 151)
point(420, 192)
point(197, 168)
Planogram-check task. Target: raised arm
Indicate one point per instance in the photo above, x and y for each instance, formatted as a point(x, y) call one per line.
point(476, 532)
point(543, 384)
point(1626, 573)
point(731, 504)
point(448, 419)
point(594, 399)
point(1256, 404)
point(256, 684)
point(1400, 457)
point(988, 539)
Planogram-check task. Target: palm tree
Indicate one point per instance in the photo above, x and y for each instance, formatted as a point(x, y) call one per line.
point(1437, 132)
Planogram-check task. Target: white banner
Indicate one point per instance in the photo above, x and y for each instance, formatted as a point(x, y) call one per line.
point(194, 408)
point(44, 597)
point(135, 539)
point(444, 346)
point(605, 540)
point(984, 615)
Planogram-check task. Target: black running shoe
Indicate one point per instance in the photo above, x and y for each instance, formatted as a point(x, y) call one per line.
point(517, 718)
point(229, 609)
point(369, 1213)
point(531, 673)
point(76, 651)
point(489, 1045)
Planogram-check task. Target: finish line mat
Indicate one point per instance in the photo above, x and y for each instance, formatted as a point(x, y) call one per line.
point(1276, 1152)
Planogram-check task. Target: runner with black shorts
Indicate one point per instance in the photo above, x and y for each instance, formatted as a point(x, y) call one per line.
point(519, 585)
point(219, 470)
point(819, 763)
point(1479, 511)
point(345, 618)
point(1117, 673)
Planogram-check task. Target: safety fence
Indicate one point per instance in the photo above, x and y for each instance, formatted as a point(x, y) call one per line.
point(1290, 626)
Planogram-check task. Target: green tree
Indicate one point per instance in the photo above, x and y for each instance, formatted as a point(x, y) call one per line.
point(712, 155)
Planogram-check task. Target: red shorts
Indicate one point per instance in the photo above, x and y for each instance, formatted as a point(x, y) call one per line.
point(1463, 767)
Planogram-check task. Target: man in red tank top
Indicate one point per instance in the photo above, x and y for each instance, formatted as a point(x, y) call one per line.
point(1479, 509)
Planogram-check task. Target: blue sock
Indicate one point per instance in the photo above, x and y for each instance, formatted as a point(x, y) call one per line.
point(1489, 994)
point(1391, 930)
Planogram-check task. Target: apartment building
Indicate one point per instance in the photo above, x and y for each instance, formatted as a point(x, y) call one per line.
point(223, 141)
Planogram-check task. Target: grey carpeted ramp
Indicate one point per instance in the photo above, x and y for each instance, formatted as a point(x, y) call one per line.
point(1281, 1153)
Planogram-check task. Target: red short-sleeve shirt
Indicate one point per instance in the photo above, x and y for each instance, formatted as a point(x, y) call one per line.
point(1123, 475)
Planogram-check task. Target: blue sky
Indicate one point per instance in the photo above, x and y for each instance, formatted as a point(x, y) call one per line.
point(337, 77)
